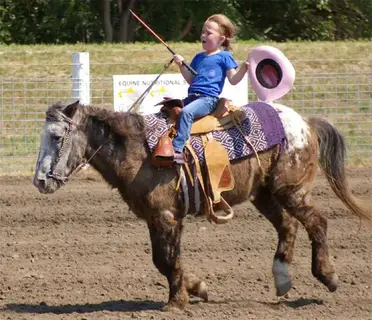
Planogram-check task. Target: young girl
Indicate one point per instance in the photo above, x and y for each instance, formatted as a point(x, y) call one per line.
point(212, 65)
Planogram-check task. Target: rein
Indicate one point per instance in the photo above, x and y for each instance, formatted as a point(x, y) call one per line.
point(85, 162)
point(136, 104)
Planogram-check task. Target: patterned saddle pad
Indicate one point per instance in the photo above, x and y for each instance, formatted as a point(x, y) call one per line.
point(261, 125)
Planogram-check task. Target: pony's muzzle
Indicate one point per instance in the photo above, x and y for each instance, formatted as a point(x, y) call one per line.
point(39, 183)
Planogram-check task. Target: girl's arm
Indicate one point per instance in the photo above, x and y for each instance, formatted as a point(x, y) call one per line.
point(187, 75)
point(236, 75)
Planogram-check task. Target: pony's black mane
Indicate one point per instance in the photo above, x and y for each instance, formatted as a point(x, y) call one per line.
point(54, 112)
point(130, 125)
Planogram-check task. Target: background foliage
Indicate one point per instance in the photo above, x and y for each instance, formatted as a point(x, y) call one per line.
point(96, 21)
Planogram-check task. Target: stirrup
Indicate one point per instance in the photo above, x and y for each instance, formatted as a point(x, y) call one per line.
point(179, 158)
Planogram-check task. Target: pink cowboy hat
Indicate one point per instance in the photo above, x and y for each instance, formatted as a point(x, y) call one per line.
point(270, 73)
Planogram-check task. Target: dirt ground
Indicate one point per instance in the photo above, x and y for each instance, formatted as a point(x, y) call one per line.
point(79, 254)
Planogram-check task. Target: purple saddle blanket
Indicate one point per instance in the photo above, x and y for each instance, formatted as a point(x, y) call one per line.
point(261, 125)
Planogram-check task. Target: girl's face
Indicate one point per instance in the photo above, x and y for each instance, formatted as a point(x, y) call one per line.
point(211, 37)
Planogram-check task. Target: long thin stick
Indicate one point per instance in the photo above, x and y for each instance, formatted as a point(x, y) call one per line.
point(162, 41)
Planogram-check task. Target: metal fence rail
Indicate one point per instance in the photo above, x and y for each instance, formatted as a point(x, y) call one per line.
point(345, 99)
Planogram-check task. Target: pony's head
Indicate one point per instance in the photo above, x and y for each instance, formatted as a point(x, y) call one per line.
point(62, 147)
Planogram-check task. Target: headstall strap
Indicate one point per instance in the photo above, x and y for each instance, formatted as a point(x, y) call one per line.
point(52, 173)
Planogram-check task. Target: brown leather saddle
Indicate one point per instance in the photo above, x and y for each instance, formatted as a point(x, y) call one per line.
point(223, 117)
point(218, 175)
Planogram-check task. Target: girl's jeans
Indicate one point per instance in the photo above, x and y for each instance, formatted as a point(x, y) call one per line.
point(195, 107)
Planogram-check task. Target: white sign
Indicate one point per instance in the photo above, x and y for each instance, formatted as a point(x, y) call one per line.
point(127, 89)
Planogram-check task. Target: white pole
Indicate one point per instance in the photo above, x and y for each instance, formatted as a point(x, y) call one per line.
point(81, 77)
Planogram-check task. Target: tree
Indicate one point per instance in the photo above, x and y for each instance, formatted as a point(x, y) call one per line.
point(49, 21)
point(71, 21)
point(106, 13)
point(115, 15)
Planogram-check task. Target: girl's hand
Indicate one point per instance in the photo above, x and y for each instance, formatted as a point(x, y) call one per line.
point(246, 64)
point(178, 59)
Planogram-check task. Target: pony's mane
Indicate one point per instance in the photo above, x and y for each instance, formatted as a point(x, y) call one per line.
point(121, 123)
point(54, 112)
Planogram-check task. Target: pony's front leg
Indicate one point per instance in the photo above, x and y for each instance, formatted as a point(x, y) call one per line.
point(165, 236)
point(195, 286)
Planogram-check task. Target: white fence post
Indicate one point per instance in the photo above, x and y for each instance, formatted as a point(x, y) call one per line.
point(81, 77)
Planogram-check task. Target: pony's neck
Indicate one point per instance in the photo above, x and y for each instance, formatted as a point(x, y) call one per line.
point(97, 134)
point(116, 137)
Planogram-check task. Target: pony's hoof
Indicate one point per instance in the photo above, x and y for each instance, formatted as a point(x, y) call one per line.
point(330, 281)
point(171, 307)
point(283, 282)
point(283, 288)
point(332, 285)
point(202, 291)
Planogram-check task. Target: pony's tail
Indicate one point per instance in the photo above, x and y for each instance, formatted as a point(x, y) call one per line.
point(332, 152)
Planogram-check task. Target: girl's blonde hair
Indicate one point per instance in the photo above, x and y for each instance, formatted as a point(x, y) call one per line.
point(227, 29)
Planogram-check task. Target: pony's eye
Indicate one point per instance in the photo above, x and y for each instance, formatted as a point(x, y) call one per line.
point(57, 139)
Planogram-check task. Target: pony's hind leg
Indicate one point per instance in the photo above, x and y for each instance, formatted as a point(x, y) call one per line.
point(286, 226)
point(292, 187)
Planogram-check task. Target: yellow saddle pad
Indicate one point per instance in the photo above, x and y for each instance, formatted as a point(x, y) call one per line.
point(218, 168)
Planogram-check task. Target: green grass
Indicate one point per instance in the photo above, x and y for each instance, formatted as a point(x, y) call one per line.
point(333, 79)
point(55, 61)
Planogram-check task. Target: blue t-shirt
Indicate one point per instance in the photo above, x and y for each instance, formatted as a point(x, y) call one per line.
point(211, 72)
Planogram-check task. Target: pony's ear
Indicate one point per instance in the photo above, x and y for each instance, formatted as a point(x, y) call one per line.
point(70, 110)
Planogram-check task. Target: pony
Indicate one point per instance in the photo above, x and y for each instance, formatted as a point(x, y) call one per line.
point(279, 186)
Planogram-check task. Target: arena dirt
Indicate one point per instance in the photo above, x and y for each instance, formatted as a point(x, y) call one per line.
point(79, 254)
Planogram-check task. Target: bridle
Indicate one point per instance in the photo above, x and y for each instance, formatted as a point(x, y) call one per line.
point(53, 174)
point(65, 140)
